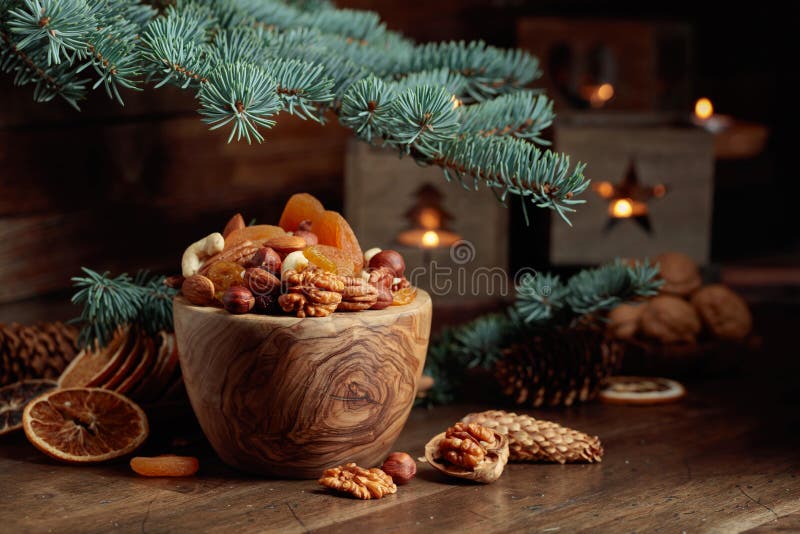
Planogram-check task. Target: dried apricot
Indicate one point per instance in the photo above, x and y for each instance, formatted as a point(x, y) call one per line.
point(318, 258)
point(300, 207)
point(165, 466)
point(404, 296)
point(343, 261)
point(257, 234)
point(225, 274)
point(332, 229)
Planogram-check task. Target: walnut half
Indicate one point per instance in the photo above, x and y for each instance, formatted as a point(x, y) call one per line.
point(359, 482)
point(311, 293)
point(469, 451)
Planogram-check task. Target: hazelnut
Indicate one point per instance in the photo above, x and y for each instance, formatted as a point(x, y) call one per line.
point(390, 259)
point(369, 254)
point(238, 300)
point(401, 467)
point(198, 290)
point(310, 237)
point(266, 258)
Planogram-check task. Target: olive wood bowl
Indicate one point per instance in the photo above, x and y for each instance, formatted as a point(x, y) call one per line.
point(290, 397)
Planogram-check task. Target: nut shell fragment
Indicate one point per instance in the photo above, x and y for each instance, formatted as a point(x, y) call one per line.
point(487, 470)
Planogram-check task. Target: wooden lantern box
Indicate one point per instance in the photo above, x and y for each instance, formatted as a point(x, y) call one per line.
point(380, 189)
point(679, 157)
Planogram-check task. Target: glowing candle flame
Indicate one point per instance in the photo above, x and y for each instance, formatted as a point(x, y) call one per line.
point(622, 208)
point(703, 109)
point(430, 239)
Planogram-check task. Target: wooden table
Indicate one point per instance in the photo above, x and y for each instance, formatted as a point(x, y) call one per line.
point(718, 462)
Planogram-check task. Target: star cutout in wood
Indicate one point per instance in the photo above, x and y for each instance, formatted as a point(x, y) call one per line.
point(628, 199)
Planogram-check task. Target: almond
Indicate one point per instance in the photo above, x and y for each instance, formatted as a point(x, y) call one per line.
point(239, 253)
point(198, 290)
point(260, 281)
point(286, 244)
point(236, 223)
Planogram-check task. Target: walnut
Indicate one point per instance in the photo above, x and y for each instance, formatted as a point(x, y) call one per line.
point(469, 451)
point(680, 273)
point(724, 312)
point(311, 293)
point(670, 319)
point(357, 295)
point(359, 482)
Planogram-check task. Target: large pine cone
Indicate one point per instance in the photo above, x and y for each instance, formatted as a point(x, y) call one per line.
point(42, 350)
point(558, 367)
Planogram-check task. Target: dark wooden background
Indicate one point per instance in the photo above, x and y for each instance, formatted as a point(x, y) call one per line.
point(127, 187)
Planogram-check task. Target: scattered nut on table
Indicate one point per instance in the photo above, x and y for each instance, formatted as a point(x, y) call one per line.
point(359, 482)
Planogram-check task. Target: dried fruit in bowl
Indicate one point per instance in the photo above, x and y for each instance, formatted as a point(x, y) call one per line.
point(317, 257)
point(225, 274)
point(404, 296)
point(257, 234)
point(300, 207)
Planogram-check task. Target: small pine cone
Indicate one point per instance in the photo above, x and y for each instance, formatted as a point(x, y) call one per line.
point(42, 350)
point(558, 367)
point(533, 440)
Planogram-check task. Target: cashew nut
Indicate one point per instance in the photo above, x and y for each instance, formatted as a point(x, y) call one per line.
point(197, 252)
point(294, 261)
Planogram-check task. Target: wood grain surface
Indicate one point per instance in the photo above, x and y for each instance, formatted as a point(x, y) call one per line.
point(286, 396)
point(720, 461)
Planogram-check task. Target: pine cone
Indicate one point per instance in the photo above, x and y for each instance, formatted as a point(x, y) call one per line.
point(557, 367)
point(42, 350)
point(532, 440)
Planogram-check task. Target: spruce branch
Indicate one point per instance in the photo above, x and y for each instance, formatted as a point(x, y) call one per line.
point(523, 114)
point(489, 70)
point(512, 166)
point(422, 117)
point(56, 25)
point(540, 297)
point(301, 86)
point(609, 285)
point(108, 303)
point(49, 82)
point(240, 94)
point(366, 106)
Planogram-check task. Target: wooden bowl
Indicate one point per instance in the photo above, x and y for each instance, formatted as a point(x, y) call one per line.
point(289, 397)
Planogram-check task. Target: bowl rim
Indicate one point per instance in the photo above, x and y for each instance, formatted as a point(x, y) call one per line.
point(423, 299)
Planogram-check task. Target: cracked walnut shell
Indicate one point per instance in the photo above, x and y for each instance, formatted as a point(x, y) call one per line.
point(311, 293)
point(359, 482)
point(469, 451)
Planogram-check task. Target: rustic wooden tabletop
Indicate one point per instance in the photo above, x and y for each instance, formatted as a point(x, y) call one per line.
point(723, 460)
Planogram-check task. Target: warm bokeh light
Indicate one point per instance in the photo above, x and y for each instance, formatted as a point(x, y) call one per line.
point(703, 108)
point(430, 239)
point(659, 190)
point(429, 219)
point(605, 92)
point(622, 208)
point(604, 189)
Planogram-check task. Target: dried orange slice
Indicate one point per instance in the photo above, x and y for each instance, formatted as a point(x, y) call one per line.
point(13, 399)
point(300, 207)
point(84, 425)
point(94, 367)
point(257, 234)
point(404, 296)
point(316, 257)
point(641, 390)
point(167, 465)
